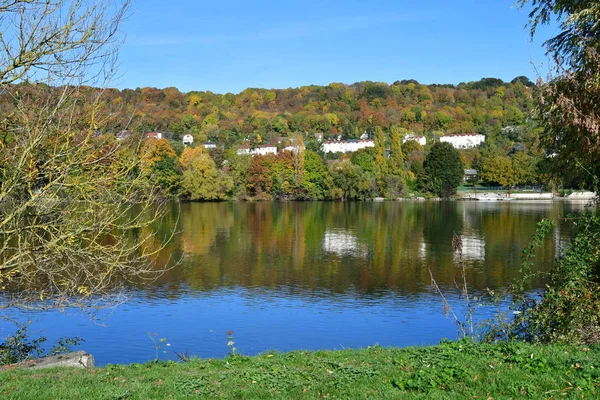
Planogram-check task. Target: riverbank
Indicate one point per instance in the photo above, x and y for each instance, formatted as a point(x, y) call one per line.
point(449, 370)
point(516, 196)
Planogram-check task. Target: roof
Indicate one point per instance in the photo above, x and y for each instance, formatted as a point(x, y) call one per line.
point(258, 146)
point(349, 141)
point(463, 134)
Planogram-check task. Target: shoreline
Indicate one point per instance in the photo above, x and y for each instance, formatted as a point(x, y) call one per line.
point(457, 369)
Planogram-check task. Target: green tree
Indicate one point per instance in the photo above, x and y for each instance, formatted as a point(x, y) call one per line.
point(411, 146)
point(280, 124)
point(239, 170)
point(365, 159)
point(443, 169)
point(567, 110)
point(348, 181)
point(315, 177)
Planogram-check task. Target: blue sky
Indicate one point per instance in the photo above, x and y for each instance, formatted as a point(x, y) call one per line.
point(227, 46)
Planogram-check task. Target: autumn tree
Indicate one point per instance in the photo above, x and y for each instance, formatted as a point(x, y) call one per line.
point(381, 166)
point(396, 161)
point(525, 168)
point(567, 106)
point(71, 199)
point(159, 165)
point(497, 169)
point(201, 180)
point(567, 110)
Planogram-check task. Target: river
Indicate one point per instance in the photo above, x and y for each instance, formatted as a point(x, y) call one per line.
point(287, 276)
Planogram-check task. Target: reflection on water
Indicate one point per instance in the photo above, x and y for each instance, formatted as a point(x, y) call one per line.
point(314, 275)
point(357, 247)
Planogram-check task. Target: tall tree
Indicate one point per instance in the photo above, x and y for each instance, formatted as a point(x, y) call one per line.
point(396, 161)
point(315, 178)
point(568, 104)
point(443, 169)
point(381, 167)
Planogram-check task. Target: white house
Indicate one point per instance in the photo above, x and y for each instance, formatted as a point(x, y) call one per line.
point(464, 140)
point(209, 145)
point(188, 139)
point(258, 150)
point(419, 139)
point(346, 146)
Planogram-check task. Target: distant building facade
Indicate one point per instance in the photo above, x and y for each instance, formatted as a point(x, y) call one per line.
point(464, 140)
point(346, 146)
point(417, 138)
point(258, 150)
point(153, 135)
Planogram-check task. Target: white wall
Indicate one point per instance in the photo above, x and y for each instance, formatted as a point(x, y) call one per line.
point(345, 146)
point(463, 141)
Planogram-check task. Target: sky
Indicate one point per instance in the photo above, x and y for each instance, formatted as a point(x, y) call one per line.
point(228, 46)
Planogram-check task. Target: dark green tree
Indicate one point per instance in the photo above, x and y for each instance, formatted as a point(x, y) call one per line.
point(315, 176)
point(365, 159)
point(443, 169)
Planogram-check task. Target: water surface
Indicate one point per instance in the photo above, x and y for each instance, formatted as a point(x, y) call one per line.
point(289, 276)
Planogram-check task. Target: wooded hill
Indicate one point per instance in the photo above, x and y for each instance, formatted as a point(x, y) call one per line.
point(484, 106)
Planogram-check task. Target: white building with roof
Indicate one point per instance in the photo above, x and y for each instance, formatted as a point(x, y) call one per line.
point(417, 138)
point(188, 139)
point(260, 150)
point(153, 135)
point(464, 140)
point(346, 146)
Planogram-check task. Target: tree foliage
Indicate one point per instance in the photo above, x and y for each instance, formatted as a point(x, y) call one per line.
point(568, 113)
point(70, 199)
point(567, 104)
point(201, 180)
point(444, 169)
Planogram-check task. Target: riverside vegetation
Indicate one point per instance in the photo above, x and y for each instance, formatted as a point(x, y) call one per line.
point(457, 370)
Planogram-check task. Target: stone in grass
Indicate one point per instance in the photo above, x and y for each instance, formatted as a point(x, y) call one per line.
point(77, 359)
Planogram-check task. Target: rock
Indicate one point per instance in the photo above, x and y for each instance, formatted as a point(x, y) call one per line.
point(77, 359)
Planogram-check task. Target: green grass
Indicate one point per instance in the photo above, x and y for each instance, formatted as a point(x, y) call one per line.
point(454, 370)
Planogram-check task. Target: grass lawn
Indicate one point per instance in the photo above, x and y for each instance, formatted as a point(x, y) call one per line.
point(453, 370)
